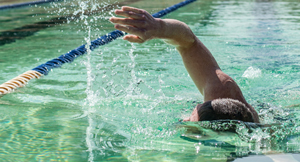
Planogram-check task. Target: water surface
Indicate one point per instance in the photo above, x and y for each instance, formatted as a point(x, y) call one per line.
point(122, 102)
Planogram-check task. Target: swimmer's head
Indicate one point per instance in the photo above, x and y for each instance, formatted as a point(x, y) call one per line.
point(221, 109)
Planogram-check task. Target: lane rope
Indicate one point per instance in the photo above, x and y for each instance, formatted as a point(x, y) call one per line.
point(18, 81)
point(44, 69)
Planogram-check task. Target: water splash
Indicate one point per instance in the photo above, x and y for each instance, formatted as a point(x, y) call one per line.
point(81, 13)
point(252, 72)
point(131, 66)
point(91, 98)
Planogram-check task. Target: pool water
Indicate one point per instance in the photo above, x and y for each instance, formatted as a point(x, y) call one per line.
point(123, 101)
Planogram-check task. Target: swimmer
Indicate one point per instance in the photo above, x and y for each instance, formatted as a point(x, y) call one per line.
point(223, 98)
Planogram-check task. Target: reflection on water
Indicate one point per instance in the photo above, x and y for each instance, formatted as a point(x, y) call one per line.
point(123, 102)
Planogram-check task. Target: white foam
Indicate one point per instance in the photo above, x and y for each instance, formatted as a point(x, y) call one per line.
point(252, 72)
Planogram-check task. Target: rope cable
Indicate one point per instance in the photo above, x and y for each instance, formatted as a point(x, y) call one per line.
point(18, 81)
point(44, 69)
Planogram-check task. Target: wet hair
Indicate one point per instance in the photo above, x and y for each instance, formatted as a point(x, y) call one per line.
point(225, 108)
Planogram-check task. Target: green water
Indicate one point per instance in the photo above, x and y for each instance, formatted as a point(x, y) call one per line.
point(123, 101)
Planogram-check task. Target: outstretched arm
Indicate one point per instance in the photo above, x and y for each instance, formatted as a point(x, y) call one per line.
point(199, 62)
point(142, 26)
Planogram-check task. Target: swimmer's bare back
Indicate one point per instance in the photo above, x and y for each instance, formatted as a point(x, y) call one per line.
point(210, 80)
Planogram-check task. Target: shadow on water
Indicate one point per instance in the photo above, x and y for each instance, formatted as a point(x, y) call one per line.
point(20, 17)
point(12, 35)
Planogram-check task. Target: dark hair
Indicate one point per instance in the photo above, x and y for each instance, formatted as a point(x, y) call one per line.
point(224, 109)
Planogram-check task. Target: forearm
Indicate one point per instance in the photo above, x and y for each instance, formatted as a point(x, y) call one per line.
point(176, 33)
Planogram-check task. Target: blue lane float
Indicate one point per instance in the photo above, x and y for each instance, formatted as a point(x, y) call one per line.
point(81, 50)
point(71, 55)
point(44, 69)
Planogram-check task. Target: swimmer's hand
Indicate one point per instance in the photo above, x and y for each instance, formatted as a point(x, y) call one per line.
point(143, 26)
point(137, 22)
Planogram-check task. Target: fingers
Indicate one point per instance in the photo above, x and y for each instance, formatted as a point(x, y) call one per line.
point(128, 21)
point(135, 22)
point(132, 30)
point(128, 29)
point(136, 10)
point(133, 39)
point(130, 14)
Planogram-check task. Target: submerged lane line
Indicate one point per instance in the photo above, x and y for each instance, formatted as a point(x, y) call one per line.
point(43, 69)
